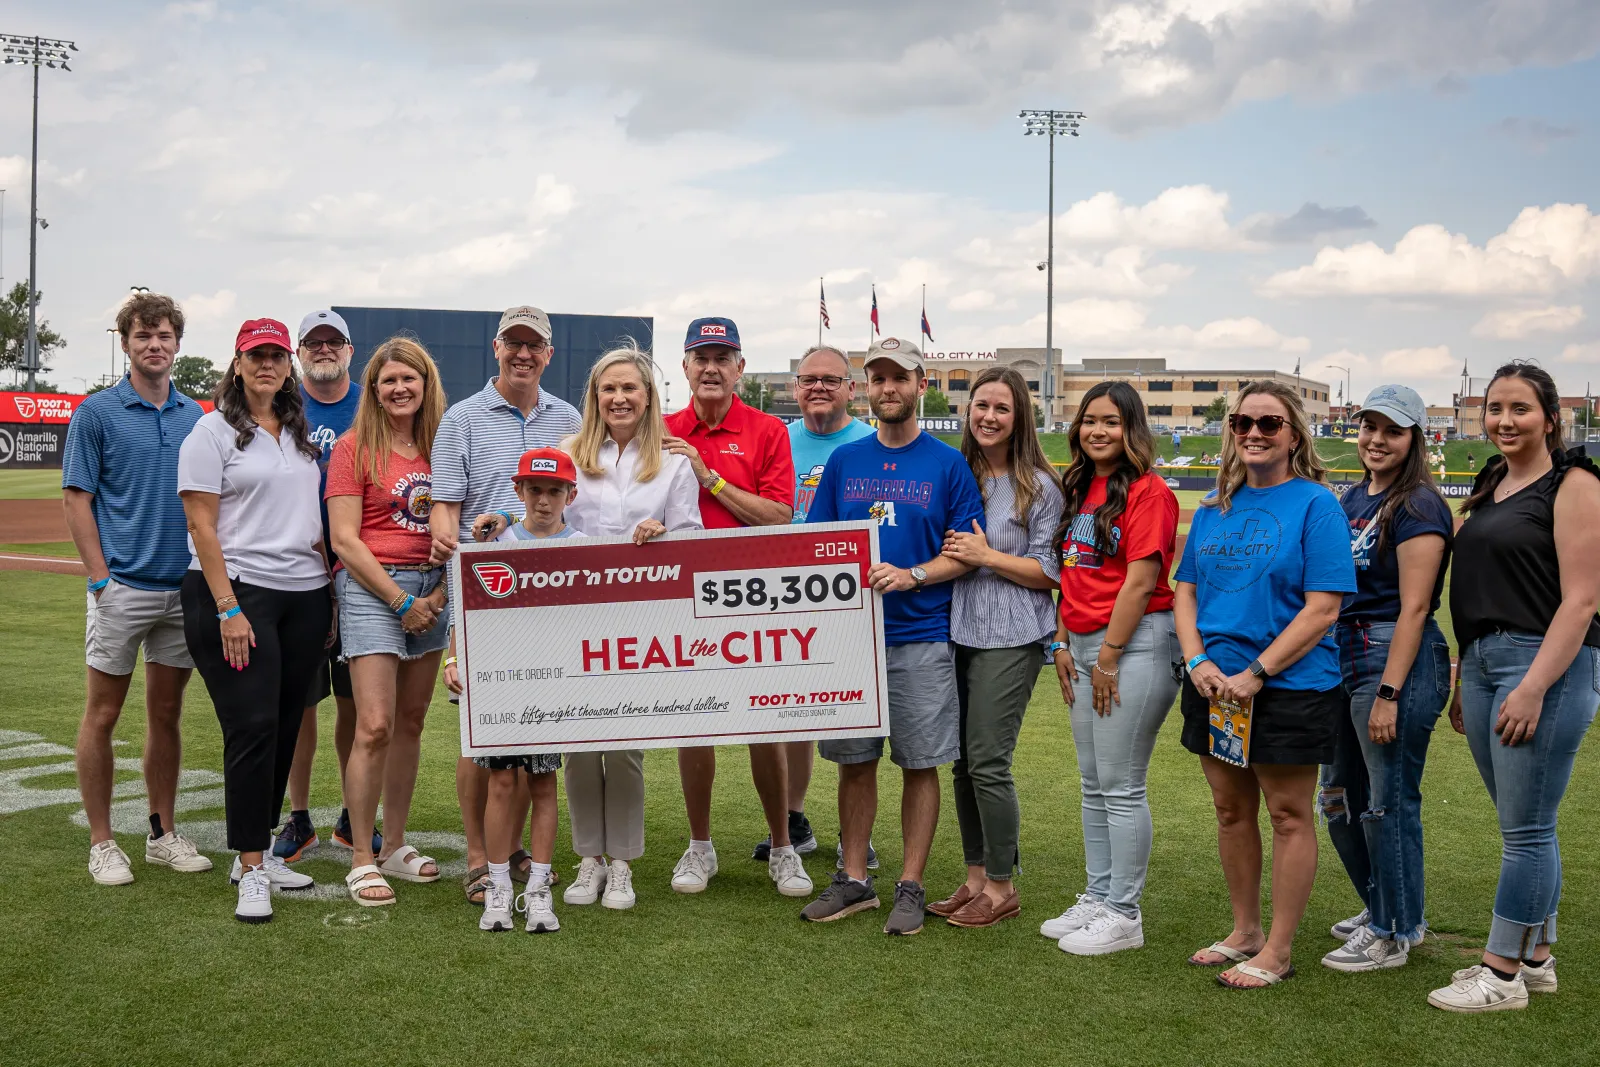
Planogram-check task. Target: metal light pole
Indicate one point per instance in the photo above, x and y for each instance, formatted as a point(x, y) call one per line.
point(52, 53)
point(1047, 124)
point(1345, 418)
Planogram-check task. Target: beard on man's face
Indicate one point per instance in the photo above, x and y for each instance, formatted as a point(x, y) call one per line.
point(892, 411)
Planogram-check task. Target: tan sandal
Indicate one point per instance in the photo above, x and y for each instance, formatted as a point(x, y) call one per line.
point(1228, 953)
point(475, 883)
point(363, 879)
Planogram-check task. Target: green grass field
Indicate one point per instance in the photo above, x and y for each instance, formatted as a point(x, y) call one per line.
point(160, 973)
point(30, 484)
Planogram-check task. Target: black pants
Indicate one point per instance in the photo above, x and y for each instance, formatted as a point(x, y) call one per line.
point(259, 707)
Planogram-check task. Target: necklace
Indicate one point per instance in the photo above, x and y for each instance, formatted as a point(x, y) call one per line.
point(1505, 489)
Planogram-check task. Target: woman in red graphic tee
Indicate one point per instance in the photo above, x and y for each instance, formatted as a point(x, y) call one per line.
point(1116, 653)
point(392, 619)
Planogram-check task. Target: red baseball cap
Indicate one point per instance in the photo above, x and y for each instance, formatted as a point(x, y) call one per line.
point(263, 332)
point(546, 463)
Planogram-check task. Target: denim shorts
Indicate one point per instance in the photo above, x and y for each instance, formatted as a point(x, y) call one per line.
point(367, 627)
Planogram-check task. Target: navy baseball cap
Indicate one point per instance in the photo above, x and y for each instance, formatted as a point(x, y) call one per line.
point(712, 332)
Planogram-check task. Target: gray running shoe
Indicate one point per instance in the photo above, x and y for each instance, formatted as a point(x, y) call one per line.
point(872, 857)
point(1366, 951)
point(844, 896)
point(1345, 928)
point(905, 918)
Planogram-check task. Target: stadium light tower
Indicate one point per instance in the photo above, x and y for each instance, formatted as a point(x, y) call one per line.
point(51, 53)
point(1344, 419)
point(1048, 124)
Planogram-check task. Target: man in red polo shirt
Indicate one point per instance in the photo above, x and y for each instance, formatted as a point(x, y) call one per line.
point(741, 457)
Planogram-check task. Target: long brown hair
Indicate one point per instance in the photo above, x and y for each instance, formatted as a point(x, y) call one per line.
point(1138, 459)
point(1024, 456)
point(1544, 387)
point(585, 445)
point(374, 439)
point(1303, 459)
point(286, 404)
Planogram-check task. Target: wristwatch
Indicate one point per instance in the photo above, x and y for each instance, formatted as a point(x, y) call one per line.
point(919, 575)
point(1388, 692)
point(1257, 669)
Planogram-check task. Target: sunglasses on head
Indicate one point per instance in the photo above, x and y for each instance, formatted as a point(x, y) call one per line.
point(1269, 425)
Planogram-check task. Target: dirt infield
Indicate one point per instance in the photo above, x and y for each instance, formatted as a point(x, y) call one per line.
point(28, 522)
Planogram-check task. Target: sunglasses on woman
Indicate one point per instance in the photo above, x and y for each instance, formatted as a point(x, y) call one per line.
point(1269, 425)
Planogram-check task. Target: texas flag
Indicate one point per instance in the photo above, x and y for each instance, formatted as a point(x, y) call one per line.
point(875, 328)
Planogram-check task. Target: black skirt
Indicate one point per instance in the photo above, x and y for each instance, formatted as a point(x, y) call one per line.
point(1287, 726)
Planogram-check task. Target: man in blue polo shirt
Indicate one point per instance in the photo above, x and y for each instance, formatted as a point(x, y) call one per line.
point(915, 487)
point(119, 479)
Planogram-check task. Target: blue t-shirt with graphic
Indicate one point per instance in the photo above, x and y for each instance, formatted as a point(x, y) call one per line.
point(915, 493)
point(326, 423)
point(811, 452)
point(1252, 567)
point(1377, 595)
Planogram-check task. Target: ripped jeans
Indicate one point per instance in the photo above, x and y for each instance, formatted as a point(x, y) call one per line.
point(1371, 794)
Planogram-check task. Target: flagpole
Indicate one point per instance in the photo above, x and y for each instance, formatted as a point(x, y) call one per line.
point(922, 329)
point(821, 296)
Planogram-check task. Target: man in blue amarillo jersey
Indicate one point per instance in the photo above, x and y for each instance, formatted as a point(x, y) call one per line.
point(915, 487)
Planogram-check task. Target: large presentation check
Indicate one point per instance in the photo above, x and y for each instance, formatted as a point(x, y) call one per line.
point(712, 638)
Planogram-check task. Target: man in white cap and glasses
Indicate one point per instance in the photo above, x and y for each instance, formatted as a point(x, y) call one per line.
point(330, 402)
point(475, 456)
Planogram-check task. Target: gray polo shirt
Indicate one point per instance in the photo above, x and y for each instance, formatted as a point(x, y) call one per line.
point(479, 442)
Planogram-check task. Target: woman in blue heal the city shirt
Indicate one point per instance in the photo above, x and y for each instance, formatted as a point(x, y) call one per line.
point(1264, 570)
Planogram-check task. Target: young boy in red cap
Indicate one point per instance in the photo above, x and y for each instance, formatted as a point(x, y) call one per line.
point(546, 482)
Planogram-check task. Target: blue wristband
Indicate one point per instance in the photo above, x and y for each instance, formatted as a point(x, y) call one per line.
point(405, 605)
point(1201, 658)
point(95, 587)
point(230, 613)
point(506, 515)
point(1058, 646)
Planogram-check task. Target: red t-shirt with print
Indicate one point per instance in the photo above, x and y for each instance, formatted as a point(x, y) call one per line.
point(749, 448)
point(1092, 574)
point(394, 512)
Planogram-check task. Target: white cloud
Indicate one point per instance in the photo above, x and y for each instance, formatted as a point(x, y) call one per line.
point(1419, 362)
point(1543, 250)
point(1586, 352)
point(1190, 216)
point(1515, 324)
point(1118, 325)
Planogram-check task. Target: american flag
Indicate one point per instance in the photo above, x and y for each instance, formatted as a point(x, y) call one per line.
point(875, 328)
point(824, 306)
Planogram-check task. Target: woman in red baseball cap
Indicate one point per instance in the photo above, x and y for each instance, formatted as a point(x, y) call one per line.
point(257, 615)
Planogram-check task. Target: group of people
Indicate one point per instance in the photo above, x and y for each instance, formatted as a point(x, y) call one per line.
point(292, 544)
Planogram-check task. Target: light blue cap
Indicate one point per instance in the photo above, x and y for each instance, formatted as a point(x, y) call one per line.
point(1398, 403)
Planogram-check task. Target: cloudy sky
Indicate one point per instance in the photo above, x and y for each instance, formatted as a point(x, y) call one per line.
point(1394, 186)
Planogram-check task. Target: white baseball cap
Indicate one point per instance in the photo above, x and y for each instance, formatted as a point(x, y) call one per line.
point(322, 318)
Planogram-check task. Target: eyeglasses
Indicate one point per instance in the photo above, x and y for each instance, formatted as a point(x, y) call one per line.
point(513, 348)
point(332, 344)
point(828, 382)
point(1269, 425)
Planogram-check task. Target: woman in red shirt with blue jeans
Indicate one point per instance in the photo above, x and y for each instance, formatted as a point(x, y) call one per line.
point(1116, 653)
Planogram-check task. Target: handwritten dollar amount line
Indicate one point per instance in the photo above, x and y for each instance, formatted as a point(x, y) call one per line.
point(791, 590)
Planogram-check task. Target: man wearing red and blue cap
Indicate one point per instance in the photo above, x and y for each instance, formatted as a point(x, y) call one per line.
point(741, 458)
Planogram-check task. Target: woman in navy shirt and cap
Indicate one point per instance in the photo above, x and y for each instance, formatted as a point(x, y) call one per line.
point(1396, 668)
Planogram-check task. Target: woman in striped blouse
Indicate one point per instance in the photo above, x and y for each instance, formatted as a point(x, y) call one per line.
point(1001, 615)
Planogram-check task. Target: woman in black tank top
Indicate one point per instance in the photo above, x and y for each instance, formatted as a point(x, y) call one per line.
point(1523, 602)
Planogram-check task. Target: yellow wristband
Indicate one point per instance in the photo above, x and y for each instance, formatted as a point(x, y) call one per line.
point(718, 486)
point(449, 661)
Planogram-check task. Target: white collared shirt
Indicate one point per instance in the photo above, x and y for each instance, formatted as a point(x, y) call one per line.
point(615, 502)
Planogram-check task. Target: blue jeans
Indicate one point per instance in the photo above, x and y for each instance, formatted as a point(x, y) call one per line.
point(1372, 794)
point(1526, 781)
point(1114, 756)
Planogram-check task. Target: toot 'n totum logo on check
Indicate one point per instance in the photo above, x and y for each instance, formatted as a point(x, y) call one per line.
point(498, 579)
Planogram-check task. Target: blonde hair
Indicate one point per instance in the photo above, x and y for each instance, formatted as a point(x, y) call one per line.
point(1303, 459)
point(585, 446)
point(374, 440)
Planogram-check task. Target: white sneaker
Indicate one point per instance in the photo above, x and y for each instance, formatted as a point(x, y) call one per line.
point(694, 871)
point(787, 873)
point(619, 887)
point(1345, 929)
point(588, 885)
point(1477, 989)
point(1108, 931)
point(1366, 951)
point(109, 865)
point(536, 904)
point(496, 916)
point(1074, 918)
point(174, 850)
point(1540, 979)
point(255, 896)
point(278, 873)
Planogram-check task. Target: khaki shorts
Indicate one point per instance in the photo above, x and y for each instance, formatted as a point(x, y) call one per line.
point(123, 618)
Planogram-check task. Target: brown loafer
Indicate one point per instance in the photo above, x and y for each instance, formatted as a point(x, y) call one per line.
point(952, 903)
point(979, 911)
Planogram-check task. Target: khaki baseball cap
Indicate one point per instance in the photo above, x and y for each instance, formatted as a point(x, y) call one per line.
point(895, 350)
point(531, 317)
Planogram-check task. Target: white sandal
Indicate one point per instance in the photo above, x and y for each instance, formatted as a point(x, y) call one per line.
point(1261, 974)
point(367, 877)
point(1229, 954)
point(406, 864)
